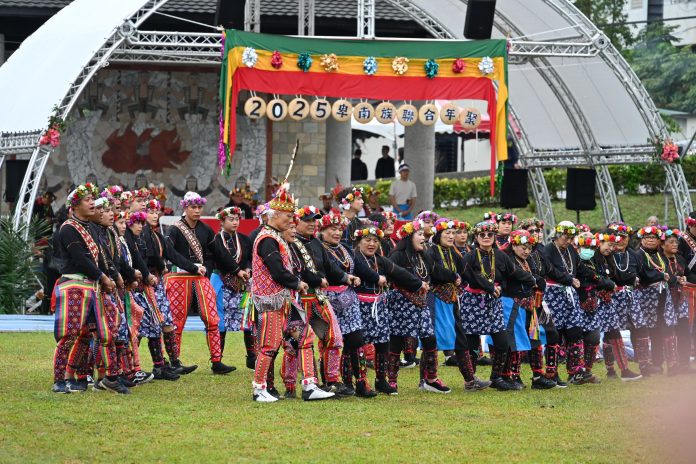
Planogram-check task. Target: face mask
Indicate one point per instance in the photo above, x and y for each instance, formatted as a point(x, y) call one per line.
point(586, 254)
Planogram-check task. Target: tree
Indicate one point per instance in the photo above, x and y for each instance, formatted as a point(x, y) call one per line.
point(668, 72)
point(609, 16)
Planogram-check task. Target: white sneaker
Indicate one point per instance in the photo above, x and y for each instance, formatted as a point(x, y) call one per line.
point(261, 395)
point(310, 392)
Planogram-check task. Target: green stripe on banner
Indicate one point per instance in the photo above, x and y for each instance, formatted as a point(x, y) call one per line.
point(428, 49)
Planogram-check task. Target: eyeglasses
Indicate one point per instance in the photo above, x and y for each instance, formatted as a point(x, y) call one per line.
point(486, 234)
point(532, 231)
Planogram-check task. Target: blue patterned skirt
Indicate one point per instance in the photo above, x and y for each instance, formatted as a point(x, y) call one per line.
point(347, 309)
point(681, 304)
point(409, 320)
point(515, 318)
point(481, 313)
point(163, 303)
point(565, 307)
point(232, 311)
point(648, 302)
point(150, 326)
point(376, 320)
point(622, 304)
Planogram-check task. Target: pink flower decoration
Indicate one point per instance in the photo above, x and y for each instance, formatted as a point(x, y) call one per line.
point(458, 65)
point(276, 60)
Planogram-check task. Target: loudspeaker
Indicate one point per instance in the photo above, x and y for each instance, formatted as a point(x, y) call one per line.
point(14, 175)
point(230, 14)
point(580, 189)
point(513, 193)
point(479, 19)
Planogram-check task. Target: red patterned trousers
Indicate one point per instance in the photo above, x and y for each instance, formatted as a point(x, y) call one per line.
point(182, 290)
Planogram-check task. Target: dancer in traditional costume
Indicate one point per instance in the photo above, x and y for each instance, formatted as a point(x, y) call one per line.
point(351, 201)
point(687, 248)
point(506, 222)
point(410, 314)
point(388, 243)
point(188, 283)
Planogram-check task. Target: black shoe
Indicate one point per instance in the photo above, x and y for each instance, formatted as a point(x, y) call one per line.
point(363, 390)
point(162, 373)
point(125, 382)
point(251, 362)
point(518, 380)
point(383, 386)
point(97, 386)
point(451, 361)
point(627, 375)
point(273, 391)
point(220, 369)
point(404, 364)
point(484, 361)
point(180, 369)
point(650, 369)
point(542, 383)
point(341, 390)
point(76, 386)
point(477, 385)
point(501, 384)
point(114, 386)
point(611, 374)
point(290, 395)
point(60, 386)
point(591, 378)
point(559, 383)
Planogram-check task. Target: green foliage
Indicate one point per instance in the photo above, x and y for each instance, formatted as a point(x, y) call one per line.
point(18, 264)
point(609, 16)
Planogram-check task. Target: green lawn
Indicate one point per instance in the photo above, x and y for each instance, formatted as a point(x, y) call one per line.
point(203, 418)
point(636, 209)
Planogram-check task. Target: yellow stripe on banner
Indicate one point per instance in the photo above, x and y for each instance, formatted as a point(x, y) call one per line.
point(353, 65)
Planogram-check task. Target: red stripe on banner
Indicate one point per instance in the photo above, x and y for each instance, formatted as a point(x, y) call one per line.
point(356, 86)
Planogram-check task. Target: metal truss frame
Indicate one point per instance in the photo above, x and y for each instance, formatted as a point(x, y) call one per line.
point(130, 44)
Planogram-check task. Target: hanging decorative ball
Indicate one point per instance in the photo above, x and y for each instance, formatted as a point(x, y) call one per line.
point(276, 59)
point(427, 114)
point(400, 65)
point(249, 57)
point(320, 109)
point(449, 113)
point(407, 114)
point(458, 65)
point(486, 65)
point(370, 65)
point(341, 110)
point(431, 68)
point(298, 109)
point(304, 61)
point(255, 107)
point(329, 62)
point(470, 118)
point(363, 112)
point(385, 113)
point(277, 109)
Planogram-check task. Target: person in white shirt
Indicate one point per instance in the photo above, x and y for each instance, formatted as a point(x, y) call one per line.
point(402, 194)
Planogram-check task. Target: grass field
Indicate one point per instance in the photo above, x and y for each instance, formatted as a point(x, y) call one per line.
point(635, 209)
point(203, 418)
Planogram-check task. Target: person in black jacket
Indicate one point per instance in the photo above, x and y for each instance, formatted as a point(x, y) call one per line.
point(410, 313)
point(189, 241)
point(358, 168)
point(232, 255)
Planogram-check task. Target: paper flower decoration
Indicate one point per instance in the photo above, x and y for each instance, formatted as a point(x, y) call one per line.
point(670, 152)
point(400, 65)
point(51, 137)
point(431, 69)
point(486, 65)
point(329, 62)
point(276, 59)
point(249, 57)
point(304, 61)
point(370, 65)
point(458, 65)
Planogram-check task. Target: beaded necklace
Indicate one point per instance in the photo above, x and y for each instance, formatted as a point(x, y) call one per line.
point(674, 269)
point(661, 267)
point(491, 257)
point(523, 264)
point(618, 266)
point(448, 261)
point(343, 260)
point(419, 266)
point(237, 253)
point(568, 264)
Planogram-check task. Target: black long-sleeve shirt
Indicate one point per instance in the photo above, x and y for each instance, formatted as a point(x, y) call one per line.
point(515, 288)
point(155, 250)
point(78, 259)
point(325, 266)
point(564, 261)
point(395, 274)
point(648, 273)
point(138, 253)
point(408, 259)
point(504, 269)
point(224, 255)
point(301, 268)
point(624, 267)
point(594, 274)
point(181, 253)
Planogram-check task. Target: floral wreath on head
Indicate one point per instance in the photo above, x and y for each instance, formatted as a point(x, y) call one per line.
point(309, 210)
point(604, 237)
point(566, 228)
point(142, 193)
point(428, 216)
point(107, 195)
point(583, 227)
point(490, 216)
point(126, 197)
point(332, 219)
point(138, 216)
point(227, 212)
point(651, 230)
point(586, 240)
point(103, 202)
point(191, 199)
point(621, 229)
point(389, 216)
point(360, 233)
point(120, 215)
point(529, 222)
point(355, 192)
point(462, 225)
point(410, 228)
point(261, 210)
point(506, 217)
point(673, 233)
point(522, 237)
point(486, 226)
point(444, 224)
point(81, 192)
point(153, 204)
point(114, 190)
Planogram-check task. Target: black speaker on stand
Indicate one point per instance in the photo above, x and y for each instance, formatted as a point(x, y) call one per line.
point(230, 14)
point(14, 175)
point(479, 19)
point(580, 190)
point(513, 193)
